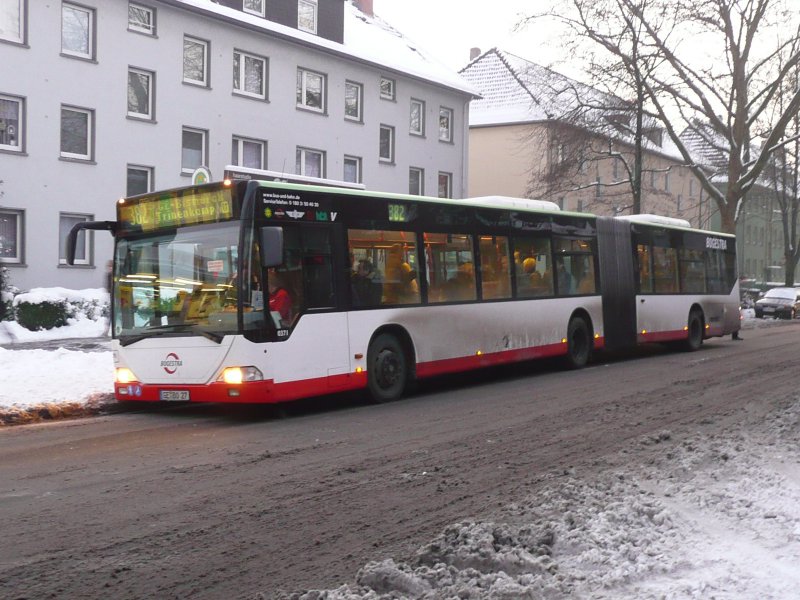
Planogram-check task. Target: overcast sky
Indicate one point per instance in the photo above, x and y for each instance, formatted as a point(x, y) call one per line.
point(447, 29)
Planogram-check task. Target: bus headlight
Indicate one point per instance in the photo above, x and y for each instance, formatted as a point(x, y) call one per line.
point(235, 375)
point(124, 375)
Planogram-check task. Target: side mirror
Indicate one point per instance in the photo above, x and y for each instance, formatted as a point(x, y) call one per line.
point(271, 246)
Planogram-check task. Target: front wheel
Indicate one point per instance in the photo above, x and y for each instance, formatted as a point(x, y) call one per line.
point(695, 331)
point(387, 368)
point(579, 343)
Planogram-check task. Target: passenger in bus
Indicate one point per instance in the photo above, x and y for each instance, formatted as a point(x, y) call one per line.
point(410, 288)
point(366, 284)
point(564, 279)
point(280, 301)
point(462, 285)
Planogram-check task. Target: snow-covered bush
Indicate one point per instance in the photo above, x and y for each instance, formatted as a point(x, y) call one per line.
point(7, 292)
point(46, 308)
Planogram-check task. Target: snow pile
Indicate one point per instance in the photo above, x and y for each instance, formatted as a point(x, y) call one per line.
point(678, 516)
point(88, 307)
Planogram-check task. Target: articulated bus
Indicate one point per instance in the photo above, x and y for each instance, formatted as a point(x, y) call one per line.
point(262, 291)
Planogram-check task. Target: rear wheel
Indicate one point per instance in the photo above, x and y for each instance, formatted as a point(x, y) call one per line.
point(387, 368)
point(579, 343)
point(695, 325)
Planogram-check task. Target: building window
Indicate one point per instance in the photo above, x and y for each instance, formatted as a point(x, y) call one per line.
point(249, 75)
point(445, 124)
point(352, 169)
point(666, 181)
point(194, 149)
point(310, 163)
point(12, 21)
point(140, 180)
point(615, 168)
point(445, 185)
point(12, 120)
point(310, 90)
point(353, 95)
point(387, 88)
point(307, 15)
point(141, 19)
point(76, 133)
point(254, 7)
point(77, 31)
point(680, 203)
point(82, 249)
point(248, 153)
point(140, 94)
point(11, 235)
point(195, 61)
point(691, 188)
point(416, 179)
point(416, 124)
point(386, 144)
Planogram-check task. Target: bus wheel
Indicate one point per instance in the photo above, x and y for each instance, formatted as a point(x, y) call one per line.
point(695, 339)
point(387, 371)
point(579, 343)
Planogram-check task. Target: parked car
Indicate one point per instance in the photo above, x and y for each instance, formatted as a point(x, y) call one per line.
point(780, 303)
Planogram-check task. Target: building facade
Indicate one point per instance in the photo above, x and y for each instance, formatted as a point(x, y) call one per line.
point(101, 99)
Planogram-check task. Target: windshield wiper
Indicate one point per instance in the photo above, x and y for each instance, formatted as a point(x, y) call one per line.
point(159, 330)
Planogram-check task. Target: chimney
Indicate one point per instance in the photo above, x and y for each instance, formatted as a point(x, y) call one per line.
point(474, 53)
point(365, 6)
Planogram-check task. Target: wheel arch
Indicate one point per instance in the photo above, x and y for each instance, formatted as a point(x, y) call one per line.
point(402, 335)
point(582, 313)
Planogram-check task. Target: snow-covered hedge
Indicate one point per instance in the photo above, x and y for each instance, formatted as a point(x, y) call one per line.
point(7, 292)
point(46, 308)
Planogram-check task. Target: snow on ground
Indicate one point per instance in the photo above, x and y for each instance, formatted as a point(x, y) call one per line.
point(706, 515)
point(709, 513)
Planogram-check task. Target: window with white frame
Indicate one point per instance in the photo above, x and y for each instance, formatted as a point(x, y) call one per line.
point(249, 153)
point(307, 15)
point(76, 133)
point(77, 31)
point(11, 222)
point(445, 124)
point(352, 169)
point(194, 149)
point(195, 61)
point(83, 255)
point(310, 90)
point(140, 93)
point(445, 185)
point(353, 97)
point(416, 178)
point(310, 163)
point(139, 180)
point(249, 74)
point(387, 88)
point(386, 144)
point(141, 19)
point(12, 21)
point(416, 125)
point(254, 7)
point(12, 122)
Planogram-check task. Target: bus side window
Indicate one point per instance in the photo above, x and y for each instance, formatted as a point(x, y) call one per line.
point(318, 268)
point(495, 272)
point(665, 269)
point(645, 269)
point(451, 267)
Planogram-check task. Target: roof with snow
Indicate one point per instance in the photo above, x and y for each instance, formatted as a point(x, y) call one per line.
point(515, 90)
point(367, 39)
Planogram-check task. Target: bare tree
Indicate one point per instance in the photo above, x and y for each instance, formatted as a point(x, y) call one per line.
point(611, 122)
point(724, 101)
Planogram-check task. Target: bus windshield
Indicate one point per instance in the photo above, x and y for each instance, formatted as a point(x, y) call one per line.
point(184, 281)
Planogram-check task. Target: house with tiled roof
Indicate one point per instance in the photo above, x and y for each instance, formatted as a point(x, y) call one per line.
point(537, 133)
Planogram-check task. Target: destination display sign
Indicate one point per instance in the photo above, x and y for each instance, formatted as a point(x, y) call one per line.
point(173, 209)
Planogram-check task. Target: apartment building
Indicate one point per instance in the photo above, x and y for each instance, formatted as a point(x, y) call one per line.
point(100, 99)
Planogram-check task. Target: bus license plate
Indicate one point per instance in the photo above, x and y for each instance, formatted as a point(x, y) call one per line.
point(174, 395)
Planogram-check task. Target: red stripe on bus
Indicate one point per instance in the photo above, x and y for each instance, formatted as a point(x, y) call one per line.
point(663, 336)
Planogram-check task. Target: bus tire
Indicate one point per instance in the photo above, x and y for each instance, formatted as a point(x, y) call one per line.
point(695, 331)
point(387, 368)
point(579, 343)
